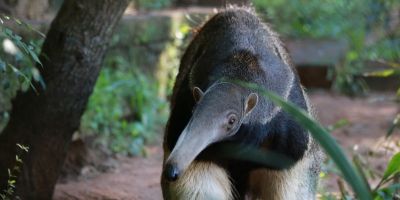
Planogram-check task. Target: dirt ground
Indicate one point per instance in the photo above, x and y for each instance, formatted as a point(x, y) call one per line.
point(138, 178)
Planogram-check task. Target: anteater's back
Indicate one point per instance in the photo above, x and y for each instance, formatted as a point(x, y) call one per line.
point(237, 45)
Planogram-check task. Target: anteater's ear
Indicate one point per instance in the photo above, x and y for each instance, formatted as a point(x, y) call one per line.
point(197, 94)
point(251, 103)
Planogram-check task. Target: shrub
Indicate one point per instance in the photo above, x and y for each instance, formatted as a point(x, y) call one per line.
point(18, 58)
point(365, 24)
point(124, 108)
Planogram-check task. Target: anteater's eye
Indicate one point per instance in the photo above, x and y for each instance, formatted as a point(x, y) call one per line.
point(232, 120)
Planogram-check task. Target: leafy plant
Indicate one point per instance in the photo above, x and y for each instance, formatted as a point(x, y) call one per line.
point(391, 171)
point(8, 193)
point(13, 44)
point(124, 108)
point(314, 18)
point(17, 63)
point(365, 24)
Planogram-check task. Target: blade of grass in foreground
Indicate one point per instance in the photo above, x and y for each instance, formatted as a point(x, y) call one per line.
point(326, 141)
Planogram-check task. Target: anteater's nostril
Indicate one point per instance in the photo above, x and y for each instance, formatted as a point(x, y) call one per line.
point(171, 172)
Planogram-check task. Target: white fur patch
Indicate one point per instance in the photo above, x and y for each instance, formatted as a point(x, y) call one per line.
point(292, 184)
point(202, 181)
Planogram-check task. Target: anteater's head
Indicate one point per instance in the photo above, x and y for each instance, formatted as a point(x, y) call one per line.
point(218, 115)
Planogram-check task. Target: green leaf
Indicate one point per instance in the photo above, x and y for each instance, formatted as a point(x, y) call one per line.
point(386, 193)
point(395, 123)
point(35, 57)
point(17, 21)
point(18, 159)
point(36, 74)
point(11, 182)
point(23, 147)
point(382, 73)
point(339, 124)
point(393, 167)
point(17, 37)
point(18, 72)
point(8, 31)
point(28, 49)
point(353, 178)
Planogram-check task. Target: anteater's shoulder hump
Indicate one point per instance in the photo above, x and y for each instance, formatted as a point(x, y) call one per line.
point(237, 16)
point(244, 20)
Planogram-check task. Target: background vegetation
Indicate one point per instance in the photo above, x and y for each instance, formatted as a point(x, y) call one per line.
point(18, 57)
point(368, 26)
point(129, 108)
point(371, 27)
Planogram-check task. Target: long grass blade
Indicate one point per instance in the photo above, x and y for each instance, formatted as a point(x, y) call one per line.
point(327, 142)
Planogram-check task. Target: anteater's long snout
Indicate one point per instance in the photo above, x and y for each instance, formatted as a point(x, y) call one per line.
point(188, 147)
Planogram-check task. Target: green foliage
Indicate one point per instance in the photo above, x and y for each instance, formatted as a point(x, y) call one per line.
point(356, 21)
point(387, 49)
point(8, 193)
point(129, 107)
point(347, 80)
point(17, 63)
point(313, 18)
point(124, 108)
point(385, 190)
point(392, 168)
point(152, 4)
point(339, 124)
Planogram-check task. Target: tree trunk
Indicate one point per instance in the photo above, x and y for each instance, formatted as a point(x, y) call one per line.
point(72, 55)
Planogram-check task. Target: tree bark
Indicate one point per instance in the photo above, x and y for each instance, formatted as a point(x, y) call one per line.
point(72, 55)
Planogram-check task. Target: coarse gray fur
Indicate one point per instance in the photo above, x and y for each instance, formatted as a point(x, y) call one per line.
point(235, 45)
